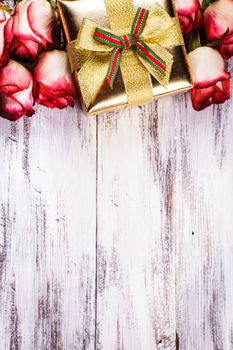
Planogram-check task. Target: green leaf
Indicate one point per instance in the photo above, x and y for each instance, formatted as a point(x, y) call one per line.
point(59, 41)
point(53, 3)
point(205, 4)
point(194, 41)
point(6, 8)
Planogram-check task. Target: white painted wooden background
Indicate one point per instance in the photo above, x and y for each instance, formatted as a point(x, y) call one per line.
point(116, 232)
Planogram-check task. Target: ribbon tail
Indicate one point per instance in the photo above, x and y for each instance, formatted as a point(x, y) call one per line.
point(113, 67)
point(86, 40)
point(173, 36)
point(157, 60)
point(91, 77)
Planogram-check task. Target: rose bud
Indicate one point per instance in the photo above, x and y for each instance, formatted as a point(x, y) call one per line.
point(53, 82)
point(190, 15)
point(211, 81)
point(218, 24)
point(5, 36)
point(16, 84)
point(33, 25)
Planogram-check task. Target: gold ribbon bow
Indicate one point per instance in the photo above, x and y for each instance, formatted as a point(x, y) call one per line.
point(91, 58)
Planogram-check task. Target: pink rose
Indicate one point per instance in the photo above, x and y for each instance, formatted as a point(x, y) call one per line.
point(16, 84)
point(4, 36)
point(53, 82)
point(33, 25)
point(211, 81)
point(190, 15)
point(218, 19)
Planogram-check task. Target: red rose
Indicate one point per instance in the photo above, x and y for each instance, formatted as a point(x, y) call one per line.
point(5, 36)
point(218, 20)
point(16, 84)
point(33, 25)
point(53, 82)
point(190, 15)
point(211, 81)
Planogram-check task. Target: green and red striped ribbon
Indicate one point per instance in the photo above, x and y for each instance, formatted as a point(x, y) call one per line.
point(113, 67)
point(150, 56)
point(139, 22)
point(128, 41)
point(107, 38)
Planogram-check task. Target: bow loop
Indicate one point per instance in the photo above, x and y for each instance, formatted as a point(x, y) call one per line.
point(99, 52)
point(129, 41)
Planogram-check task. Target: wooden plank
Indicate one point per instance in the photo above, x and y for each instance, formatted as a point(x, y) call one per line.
point(48, 231)
point(165, 243)
point(203, 224)
point(136, 267)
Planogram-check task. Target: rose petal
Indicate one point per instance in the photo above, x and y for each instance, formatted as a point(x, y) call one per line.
point(221, 92)
point(226, 51)
point(190, 14)
point(54, 87)
point(202, 98)
point(26, 49)
point(53, 71)
point(2, 38)
point(2, 15)
point(9, 108)
point(207, 67)
point(21, 26)
point(198, 20)
point(41, 19)
point(25, 97)
point(186, 24)
point(217, 94)
point(14, 77)
point(18, 104)
point(51, 100)
point(60, 102)
point(8, 31)
point(16, 85)
point(4, 43)
point(187, 7)
point(218, 18)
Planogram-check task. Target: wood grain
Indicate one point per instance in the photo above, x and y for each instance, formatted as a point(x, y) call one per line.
point(116, 231)
point(203, 223)
point(117, 234)
point(136, 270)
point(48, 230)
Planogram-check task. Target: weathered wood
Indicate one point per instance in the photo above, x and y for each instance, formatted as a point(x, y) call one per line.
point(203, 224)
point(136, 270)
point(164, 229)
point(117, 234)
point(48, 231)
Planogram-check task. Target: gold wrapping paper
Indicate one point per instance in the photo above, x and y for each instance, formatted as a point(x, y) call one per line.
point(73, 12)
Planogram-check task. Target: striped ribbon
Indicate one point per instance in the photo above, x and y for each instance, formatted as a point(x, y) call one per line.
point(126, 42)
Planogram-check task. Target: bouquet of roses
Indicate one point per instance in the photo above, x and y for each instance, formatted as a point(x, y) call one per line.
point(208, 33)
point(34, 66)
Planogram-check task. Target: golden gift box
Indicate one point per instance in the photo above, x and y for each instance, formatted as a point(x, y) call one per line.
point(133, 84)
